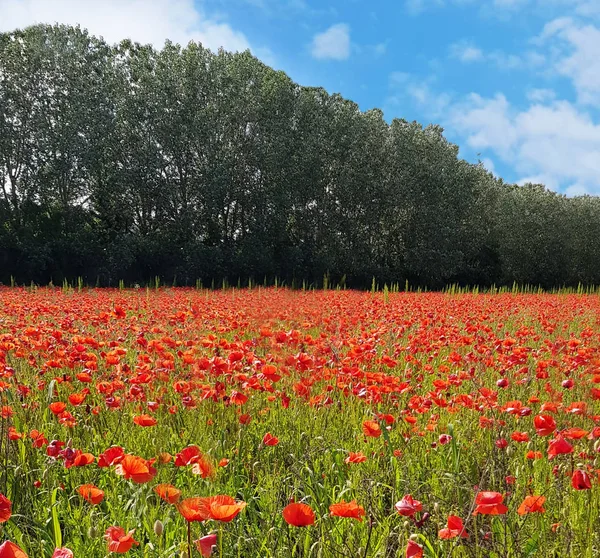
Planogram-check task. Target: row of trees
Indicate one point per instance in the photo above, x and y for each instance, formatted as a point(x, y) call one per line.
point(127, 162)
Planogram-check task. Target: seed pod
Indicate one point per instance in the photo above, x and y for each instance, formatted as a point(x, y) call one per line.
point(159, 528)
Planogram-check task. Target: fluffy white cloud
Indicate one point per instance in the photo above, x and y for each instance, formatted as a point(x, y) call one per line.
point(467, 52)
point(578, 60)
point(542, 136)
point(557, 144)
point(541, 95)
point(144, 21)
point(332, 44)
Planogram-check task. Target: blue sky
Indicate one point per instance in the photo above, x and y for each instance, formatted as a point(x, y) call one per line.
point(515, 83)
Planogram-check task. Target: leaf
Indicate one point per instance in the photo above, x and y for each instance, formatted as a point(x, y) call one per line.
point(55, 523)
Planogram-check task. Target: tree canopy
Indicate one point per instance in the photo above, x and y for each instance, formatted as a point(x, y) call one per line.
point(124, 162)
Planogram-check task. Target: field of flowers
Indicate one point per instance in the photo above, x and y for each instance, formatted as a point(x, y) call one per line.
point(279, 423)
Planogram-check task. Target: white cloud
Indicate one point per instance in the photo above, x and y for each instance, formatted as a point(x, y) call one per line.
point(403, 85)
point(505, 8)
point(541, 95)
point(541, 137)
point(556, 144)
point(140, 20)
point(417, 6)
point(579, 59)
point(489, 165)
point(466, 52)
point(332, 44)
point(486, 123)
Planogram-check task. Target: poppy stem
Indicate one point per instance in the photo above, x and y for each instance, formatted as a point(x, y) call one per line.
point(369, 535)
point(189, 533)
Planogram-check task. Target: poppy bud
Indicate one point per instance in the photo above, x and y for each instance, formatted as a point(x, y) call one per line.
point(436, 507)
point(92, 532)
point(597, 445)
point(406, 524)
point(158, 528)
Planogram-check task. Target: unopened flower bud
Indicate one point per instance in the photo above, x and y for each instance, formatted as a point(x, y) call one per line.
point(159, 528)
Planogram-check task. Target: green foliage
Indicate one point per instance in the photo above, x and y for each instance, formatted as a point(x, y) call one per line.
point(129, 163)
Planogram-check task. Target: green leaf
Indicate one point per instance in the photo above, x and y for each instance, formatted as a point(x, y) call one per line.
point(55, 523)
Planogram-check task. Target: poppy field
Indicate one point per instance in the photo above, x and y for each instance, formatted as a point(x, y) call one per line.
point(276, 423)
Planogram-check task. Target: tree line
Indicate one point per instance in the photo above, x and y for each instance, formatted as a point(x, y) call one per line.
point(124, 162)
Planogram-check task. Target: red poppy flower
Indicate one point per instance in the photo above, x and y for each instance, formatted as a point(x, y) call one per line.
point(168, 493)
point(581, 480)
point(371, 429)
point(347, 509)
point(269, 440)
point(91, 493)
point(574, 433)
point(407, 507)
point(38, 438)
point(238, 398)
point(112, 456)
point(118, 540)
point(533, 454)
point(77, 399)
point(62, 553)
point(355, 457)
point(532, 504)
point(245, 419)
point(5, 508)
point(414, 550)
point(544, 425)
point(193, 509)
point(489, 503)
point(223, 508)
point(187, 456)
point(454, 529)
point(203, 467)
point(57, 407)
point(9, 549)
point(80, 459)
point(144, 420)
point(298, 515)
point(220, 508)
point(135, 468)
point(558, 446)
point(206, 544)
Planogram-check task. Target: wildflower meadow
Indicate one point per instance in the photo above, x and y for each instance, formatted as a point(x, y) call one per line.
point(270, 422)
